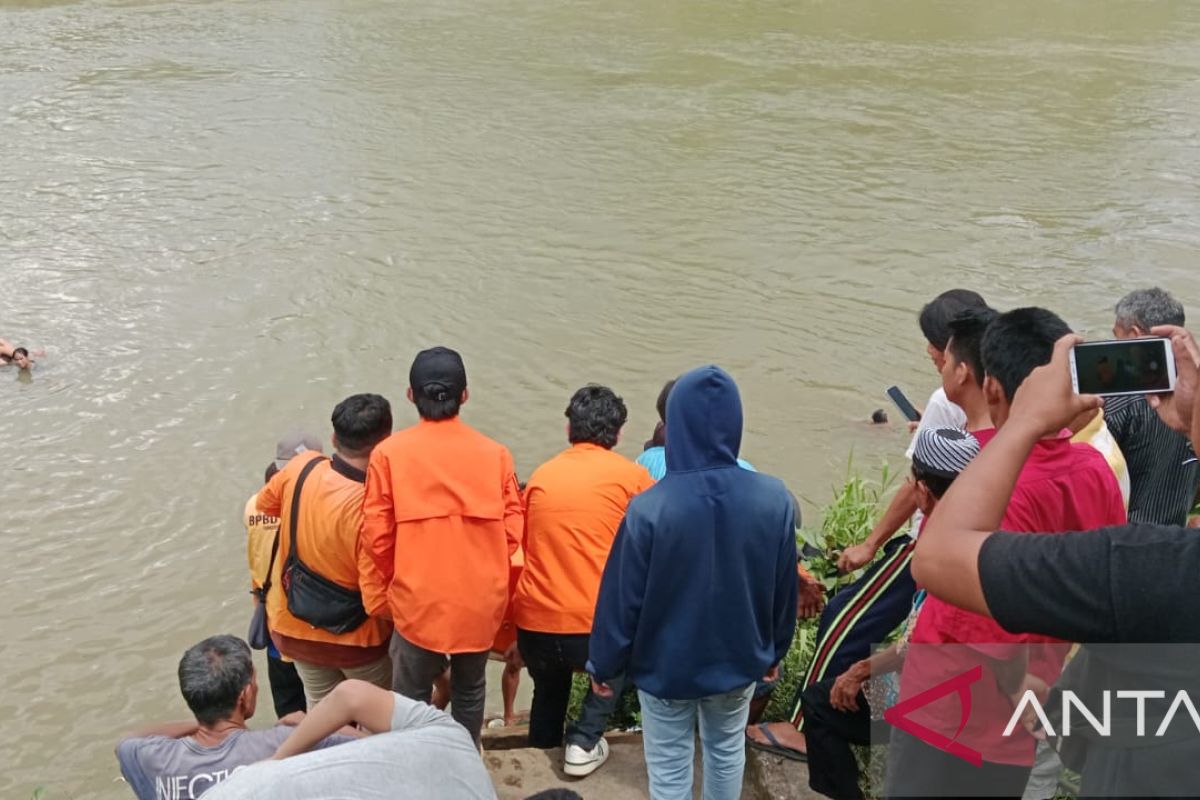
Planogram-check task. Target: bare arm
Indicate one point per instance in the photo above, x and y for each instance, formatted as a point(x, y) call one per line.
point(946, 561)
point(351, 701)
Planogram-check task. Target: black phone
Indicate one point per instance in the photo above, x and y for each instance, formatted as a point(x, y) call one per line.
point(906, 408)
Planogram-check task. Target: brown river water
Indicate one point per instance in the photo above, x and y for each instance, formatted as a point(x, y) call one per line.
point(221, 217)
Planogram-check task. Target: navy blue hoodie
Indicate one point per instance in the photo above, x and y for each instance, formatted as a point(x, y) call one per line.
point(699, 593)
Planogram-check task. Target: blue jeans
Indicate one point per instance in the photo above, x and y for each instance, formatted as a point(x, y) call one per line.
point(669, 733)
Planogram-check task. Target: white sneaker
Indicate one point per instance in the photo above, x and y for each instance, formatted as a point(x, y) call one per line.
point(579, 763)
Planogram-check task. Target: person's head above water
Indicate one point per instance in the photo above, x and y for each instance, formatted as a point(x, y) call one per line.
point(437, 383)
point(21, 358)
point(704, 419)
point(935, 317)
point(217, 680)
point(595, 415)
point(939, 456)
point(360, 422)
point(1015, 345)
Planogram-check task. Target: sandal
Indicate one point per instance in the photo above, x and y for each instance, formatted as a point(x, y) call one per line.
point(774, 748)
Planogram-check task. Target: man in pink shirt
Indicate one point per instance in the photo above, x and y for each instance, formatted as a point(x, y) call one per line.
point(1062, 487)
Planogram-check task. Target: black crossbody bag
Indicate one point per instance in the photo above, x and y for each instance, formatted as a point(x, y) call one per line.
point(310, 595)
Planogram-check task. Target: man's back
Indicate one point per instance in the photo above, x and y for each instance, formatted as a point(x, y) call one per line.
point(425, 755)
point(158, 767)
point(574, 505)
point(330, 516)
point(442, 516)
point(699, 595)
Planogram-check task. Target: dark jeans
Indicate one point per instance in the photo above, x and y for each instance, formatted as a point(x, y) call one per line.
point(287, 691)
point(552, 660)
point(415, 668)
point(916, 769)
point(832, 767)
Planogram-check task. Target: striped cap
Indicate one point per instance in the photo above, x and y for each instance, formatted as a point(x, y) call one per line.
point(944, 452)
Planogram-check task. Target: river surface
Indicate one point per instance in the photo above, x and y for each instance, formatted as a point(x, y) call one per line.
point(222, 217)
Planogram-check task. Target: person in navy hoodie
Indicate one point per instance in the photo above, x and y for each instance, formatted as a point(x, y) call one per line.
point(698, 598)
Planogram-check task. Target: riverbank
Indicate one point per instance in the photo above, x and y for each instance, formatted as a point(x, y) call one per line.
point(518, 772)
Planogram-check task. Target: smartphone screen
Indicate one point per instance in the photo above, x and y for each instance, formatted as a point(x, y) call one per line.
point(1127, 366)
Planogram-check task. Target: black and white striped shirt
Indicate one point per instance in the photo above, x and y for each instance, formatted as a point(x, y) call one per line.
point(1162, 466)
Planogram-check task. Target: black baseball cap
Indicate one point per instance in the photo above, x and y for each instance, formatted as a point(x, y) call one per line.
point(438, 373)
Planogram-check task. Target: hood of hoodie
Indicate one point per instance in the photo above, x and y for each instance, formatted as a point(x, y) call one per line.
point(704, 421)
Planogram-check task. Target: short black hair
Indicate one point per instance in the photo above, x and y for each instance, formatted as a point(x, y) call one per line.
point(272, 468)
point(20, 351)
point(556, 794)
point(1019, 342)
point(966, 338)
point(360, 422)
point(595, 416)
point(935, 317)
point(212, 674)
point(435, 410)
point(937, 485)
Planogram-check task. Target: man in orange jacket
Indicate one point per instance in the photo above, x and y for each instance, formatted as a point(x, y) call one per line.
point(442, 518)
point(328, 647)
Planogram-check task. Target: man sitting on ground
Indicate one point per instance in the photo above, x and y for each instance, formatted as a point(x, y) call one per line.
point(835, 708)
point(186, 759)
point(417, 751)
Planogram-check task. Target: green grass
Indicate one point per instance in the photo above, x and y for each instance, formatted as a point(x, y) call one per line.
point(846, 521)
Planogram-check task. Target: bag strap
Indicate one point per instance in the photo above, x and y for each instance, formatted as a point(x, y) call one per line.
point(266, 587)
point(293, 552)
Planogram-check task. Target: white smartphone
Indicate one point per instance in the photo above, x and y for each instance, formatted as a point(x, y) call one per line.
point(1123, 367)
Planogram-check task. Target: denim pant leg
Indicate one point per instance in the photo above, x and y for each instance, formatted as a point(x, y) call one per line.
point(669, 742)
point(723, 719)
point(596, 710)
point(542, 653)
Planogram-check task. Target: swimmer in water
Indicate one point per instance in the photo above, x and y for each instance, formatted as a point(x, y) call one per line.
point(16, 355)
point(20, 357)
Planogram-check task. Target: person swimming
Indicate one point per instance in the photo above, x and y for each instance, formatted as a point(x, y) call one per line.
point(20, 357)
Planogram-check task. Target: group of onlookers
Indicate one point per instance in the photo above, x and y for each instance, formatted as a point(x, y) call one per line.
point(385, 577)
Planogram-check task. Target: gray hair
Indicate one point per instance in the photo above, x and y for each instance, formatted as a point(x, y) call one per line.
point(1149, 308)
point(212, 674)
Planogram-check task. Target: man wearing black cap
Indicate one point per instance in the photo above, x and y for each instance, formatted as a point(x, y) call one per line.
point(442, 518)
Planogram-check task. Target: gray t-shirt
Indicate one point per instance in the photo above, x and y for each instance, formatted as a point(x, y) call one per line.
point(426, 755)
point(158, 767)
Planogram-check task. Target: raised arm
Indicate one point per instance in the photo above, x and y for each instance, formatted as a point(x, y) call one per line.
point(270, 497)
point(1181, 410)
point(946, 561)
point(351, 701)
point(377, 538)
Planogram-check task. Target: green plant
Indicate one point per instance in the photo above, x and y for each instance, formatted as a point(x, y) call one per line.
point(846, 521)
point(627, 715)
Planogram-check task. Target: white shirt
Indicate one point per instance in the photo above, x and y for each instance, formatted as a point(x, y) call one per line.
point(939, 413)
